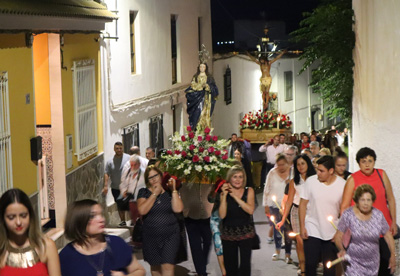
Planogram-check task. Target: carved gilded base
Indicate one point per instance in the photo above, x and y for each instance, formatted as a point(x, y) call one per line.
point(264, 135)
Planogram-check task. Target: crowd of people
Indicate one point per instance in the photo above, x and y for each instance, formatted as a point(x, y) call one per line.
point(308, 195)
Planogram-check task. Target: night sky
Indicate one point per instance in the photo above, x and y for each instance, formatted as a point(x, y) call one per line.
point(224, 12)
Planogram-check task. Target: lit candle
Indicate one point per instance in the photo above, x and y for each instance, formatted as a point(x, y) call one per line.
point(293, 234)
point(338, 260)
point(272, 218)
point(330, 218)
point(279, 207)
point(278, 119)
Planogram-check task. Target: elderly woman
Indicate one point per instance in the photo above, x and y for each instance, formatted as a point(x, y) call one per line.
point(91, 252)
point(366, 224)
point(23, 248)
point(385, 201)
point(277, 179)
point(161, 232)
point(236, 210)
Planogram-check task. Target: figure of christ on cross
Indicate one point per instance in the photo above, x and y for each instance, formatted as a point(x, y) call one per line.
point(266, 79)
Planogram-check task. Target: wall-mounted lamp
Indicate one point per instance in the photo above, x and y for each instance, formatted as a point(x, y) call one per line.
point(29, 40)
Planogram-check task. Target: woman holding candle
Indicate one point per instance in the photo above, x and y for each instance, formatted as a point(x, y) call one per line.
point(236, 211)
point(385, 201)
point(366, 225)
point(302, 170)
point(274, 189)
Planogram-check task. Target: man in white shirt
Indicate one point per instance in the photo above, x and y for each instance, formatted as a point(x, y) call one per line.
point(271, 149)
point(320, 199)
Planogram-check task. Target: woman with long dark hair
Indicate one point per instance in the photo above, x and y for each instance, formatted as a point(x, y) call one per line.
point(303, 168)
point(23, 248)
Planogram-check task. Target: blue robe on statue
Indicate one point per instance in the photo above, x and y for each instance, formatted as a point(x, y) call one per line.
point(201, 96)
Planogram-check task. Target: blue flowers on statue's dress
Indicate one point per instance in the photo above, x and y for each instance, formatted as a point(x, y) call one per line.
point(201, 96)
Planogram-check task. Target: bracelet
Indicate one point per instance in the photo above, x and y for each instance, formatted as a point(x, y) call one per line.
point(174, 191)
point(155, 195)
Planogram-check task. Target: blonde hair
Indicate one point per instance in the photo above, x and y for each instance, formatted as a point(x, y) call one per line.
point(234, 170)
point(326, 151)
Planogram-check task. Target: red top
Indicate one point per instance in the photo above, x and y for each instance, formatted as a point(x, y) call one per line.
point(376, 183)
point(39, 269)
point(305, 145)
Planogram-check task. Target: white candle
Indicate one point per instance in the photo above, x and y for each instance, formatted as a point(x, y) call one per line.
point(272, 218)
point(293, 234)
point(279, 207)
point(330, 218)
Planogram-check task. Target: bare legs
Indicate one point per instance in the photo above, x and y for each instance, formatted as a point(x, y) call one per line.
point(163, 270)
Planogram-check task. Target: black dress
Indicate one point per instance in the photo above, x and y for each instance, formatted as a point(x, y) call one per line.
point(161, 234)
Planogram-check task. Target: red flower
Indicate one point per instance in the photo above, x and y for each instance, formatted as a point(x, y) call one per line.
point(241, 124)
point(191, 135)
point(183, 138)
point(265, 116)
point(254, 121)
point(199, 138)
point(211, 149)
point(195, 159)
point(225, 156)
point(177, 152)
point(217, 152)
point(201, 149)
point(208, 138)
point(192, 147)
point(189, 128)
point(215, 138)
point(207, 130)
point(184, 154)
point(265, 121)
point(169, 152)
point(206, 159)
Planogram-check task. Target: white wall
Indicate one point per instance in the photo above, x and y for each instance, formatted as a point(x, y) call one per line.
point(376, 84)
point(153, 59)
point(246, 94)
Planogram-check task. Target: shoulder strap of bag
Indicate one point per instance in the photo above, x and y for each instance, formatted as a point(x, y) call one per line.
point(383, 183)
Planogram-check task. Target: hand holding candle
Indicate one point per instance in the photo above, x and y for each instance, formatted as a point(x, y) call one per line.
point(272, 218)
point(293, 234)
point(330, 218)
point(279, 207)
point(338, 260)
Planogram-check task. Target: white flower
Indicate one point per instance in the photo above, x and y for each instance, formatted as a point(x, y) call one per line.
point(207, 168)
point(186, 172)
point(198, 168)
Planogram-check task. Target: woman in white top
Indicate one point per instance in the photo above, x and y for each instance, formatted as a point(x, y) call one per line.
point(277, 179)
point(302, 170)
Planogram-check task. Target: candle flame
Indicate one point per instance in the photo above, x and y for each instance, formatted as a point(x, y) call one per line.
point(293, 234)
point(272, 218)
point(328, 264)
point(274, 198)
point(330, 218)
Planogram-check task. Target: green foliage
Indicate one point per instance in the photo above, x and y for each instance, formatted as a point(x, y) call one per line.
point(329, 38)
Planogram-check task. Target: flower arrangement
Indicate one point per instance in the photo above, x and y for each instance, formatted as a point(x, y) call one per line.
point(197, 156)
point(264, 120)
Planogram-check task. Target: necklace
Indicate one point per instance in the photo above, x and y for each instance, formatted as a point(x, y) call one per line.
point(98, 268)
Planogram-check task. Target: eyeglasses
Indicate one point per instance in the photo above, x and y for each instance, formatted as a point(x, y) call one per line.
point(153, 177)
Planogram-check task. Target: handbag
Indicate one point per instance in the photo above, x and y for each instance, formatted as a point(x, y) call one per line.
point(397, 236)
point(255, 241)
point(123, 202)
